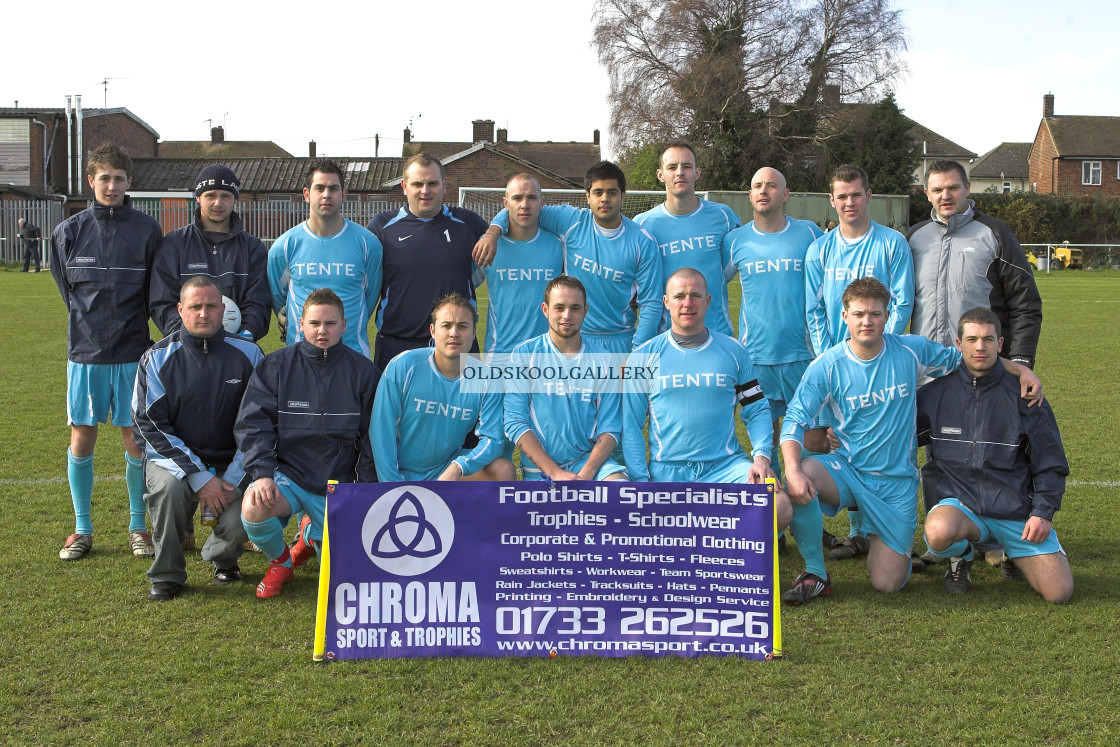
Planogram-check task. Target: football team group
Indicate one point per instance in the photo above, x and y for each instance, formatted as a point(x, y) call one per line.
point(854, 347)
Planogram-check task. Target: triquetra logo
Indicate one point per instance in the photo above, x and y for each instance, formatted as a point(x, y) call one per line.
point(408, 531)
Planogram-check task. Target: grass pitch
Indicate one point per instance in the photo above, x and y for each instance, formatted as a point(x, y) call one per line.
point(87, 659)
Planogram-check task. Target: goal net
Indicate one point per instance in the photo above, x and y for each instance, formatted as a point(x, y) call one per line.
point(487, 201)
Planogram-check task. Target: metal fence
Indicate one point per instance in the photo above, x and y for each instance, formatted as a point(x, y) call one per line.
point(265, 219)
point(46, 214)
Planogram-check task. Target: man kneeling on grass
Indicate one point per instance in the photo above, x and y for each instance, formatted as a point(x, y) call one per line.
point(1000, 469)
point(868, 382)
point(303, 422)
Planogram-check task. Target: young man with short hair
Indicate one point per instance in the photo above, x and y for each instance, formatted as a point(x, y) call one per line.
point(427, 425)
point(303, 422)
point(567, 426)
point(615, 259)
point(964, 259)
point(102, 263)
point(689, 230)
point(215, 244)
point(868, 382)
point(326, 251)
point(976, 417)
point(859, 247)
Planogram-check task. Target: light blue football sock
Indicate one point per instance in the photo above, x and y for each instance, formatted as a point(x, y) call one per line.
point(269, 537)
point(855, 520)
point(79, 470)
point(134, 481)
point(806, 527)
point(960, 548)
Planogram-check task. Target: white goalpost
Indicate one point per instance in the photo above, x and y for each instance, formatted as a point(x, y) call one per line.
point(487, 201)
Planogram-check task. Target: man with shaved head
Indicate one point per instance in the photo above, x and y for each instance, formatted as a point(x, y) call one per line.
point(769, 253)
point(528, 257)
point(691, 417)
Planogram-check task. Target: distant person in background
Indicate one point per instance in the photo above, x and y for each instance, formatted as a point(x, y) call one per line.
point(102, 263)
point(214, 244)
point(31, 237)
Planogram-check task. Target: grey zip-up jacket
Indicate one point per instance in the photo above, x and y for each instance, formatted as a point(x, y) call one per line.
point(974, 260)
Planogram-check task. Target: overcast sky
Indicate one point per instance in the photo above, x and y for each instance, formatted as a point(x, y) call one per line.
point(341, 72)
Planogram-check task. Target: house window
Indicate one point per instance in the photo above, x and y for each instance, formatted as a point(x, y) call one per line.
point(279, 198)
point(1006, 187)
point(1090, 172)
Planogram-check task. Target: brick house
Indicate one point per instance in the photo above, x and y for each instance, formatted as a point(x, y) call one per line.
point(1005, 168)
point(491, 158)
point(1075, 154)
point(34, 153)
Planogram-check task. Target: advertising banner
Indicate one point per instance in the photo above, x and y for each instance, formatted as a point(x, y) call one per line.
point(533, 569)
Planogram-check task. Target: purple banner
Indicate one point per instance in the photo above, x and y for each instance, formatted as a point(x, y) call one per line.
point(532, 569)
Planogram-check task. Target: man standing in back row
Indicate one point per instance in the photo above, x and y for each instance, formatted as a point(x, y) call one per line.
point(427, 249)
point(689, 231)
point(214, 244)
point(965, 259)
point(858, 248)
point(614, 258)
point(326, 251)
point(102, 263)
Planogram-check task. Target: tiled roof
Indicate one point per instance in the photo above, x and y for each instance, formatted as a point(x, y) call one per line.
point(260, 174)
point(86, 112)
point(937, 146)
point(1006, 160)
point(228, 149)
point(1078, 136)
point(569, 160)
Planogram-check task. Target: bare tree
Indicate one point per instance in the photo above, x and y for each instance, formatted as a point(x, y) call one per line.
point(732, 73)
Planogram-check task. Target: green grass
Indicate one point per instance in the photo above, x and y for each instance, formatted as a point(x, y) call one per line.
point(86, 659)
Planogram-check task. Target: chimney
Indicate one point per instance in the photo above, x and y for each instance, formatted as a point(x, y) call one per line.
point(503, 135)
point(311, 149)
point(831, 95)
point(1048, 106)
point(407, 135)
point(217, 135)
point(595, 137)
point(483, 131)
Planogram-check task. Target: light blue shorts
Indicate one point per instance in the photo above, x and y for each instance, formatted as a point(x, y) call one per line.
point(618, 342)
point(888, 505)
point(610, 467)
point(410, 475)
point(733, 469)
point(778, 383)
point(93, 390)
point(1008, 532)
point(312, 504)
